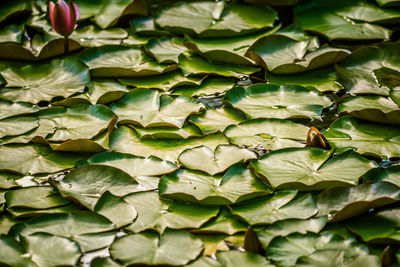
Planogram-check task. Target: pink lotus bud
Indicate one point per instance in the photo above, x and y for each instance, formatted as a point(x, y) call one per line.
point(63, 17)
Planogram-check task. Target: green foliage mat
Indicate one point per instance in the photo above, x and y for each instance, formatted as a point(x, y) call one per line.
point(173, 133)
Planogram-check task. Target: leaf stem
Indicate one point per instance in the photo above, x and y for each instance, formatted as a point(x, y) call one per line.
point(66, 45)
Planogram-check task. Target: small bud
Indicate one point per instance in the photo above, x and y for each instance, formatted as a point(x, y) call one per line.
point(63, 17)
point(315, 139)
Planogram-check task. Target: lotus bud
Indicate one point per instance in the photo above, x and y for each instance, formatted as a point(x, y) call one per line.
point(251, 241)
point(315, 138)
point(63, 18)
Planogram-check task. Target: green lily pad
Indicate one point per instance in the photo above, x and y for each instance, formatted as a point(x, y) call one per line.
point(131, 164)
point(209, 86)
point(148, 109)
point(146, 27)
point(224, 223)
point(388, 3)
point(193, 64)
point(166, 50)
point(173, 247)
point(272, 101)
point(213, 120)
point(341, 203)
point(358, 72)
point(12, 253)
point(165, 81)
point(236, 258)
point(17, 126)
point(280, 206)
point(91, 36)
point(238, 184)
point(321, 79)
point(104, 262)
point(285, 251)
point(115, 209)
point(35, 158)
point(11, 9)
point(8, 180)
point(269, 134)
point(368, 138)
point(25, 213)
point(390, 175)
point(204, 159)
point(385, 230)
point(11, 34)
point(159, 214)
point(126, 140)
point(372, 108)
point(90, 230)
point(120, 61)
point(42, 197)
point(47, 250)
point(187, 131)
point(342, 20)
point(87, 184)
point(36, 82)
point(215, 18)
point(290, 226)
point(6, 222)
point(311, 168)
point(9, 109)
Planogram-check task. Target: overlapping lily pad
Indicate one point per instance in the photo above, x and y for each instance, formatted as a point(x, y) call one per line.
point(272, 101)
point(238, 184)
point(148, 109)
point(390, 174)
point(17, 126)
point(208, 86)
point(368, 138)
point(9, 109)
point(34, 83)
point(311, 168)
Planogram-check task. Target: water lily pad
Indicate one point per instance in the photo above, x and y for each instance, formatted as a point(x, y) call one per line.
point(193, 64)
point(159, 214)
point(311, 168)
point(126, 140)
point(272, 101)
point(215, 19)
point(11, 9)
point(341, 20)
point(90, 230)
point(269, 134)
point(35, 158)
point(209, 86)
point(368, 138)
point(341, 203)
point(11, 34)
point(36, 82)
point(173, 247)
point(119, 61)
point(321, 79)
point(385, 230)
point(42, 197)
point(25, 213)
point(390, 175)
point(238, 184)
point(358, 73)
point(8, 179)
point(87, 184)
point(148, 109)
point(166, 50)
point(242, 258)
point(17, 126)
point(213, 120)
point(285, 251)
point(290, 226)
point(9, 109)
point(115, 209)
point(91, 36)
point(372, 108)
point(187, 131)
point(280, 206)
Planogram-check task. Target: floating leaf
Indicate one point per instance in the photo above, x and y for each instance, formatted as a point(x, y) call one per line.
point(125, 140)
point(187, 131)
point(93, 36)
point(159, 214)
point(311, 168)
point(212, 162)
point(148, 109)
point(9, 109)
point(17, 126)
point(238, 184)
point(214, 19)
point(166, 50)
point(269, 134)
point(10, 9)
point(36, 82)
point(11, 34)
point(87, 184)
point(119, 61)
point(239, 258)
point(281, 205)
point(12, 253)
point(35, 158)
point(174, 247)
point(272, 101)
point(368, 138)
point(390, 175)
point(341, 203)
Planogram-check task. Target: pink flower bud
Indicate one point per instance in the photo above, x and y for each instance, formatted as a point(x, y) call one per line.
point(63, 17)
